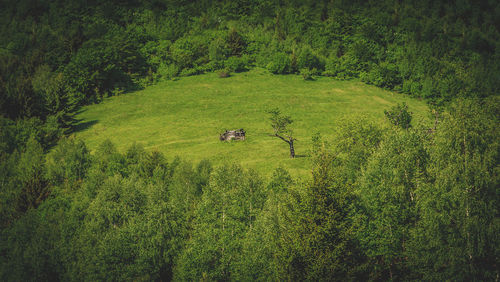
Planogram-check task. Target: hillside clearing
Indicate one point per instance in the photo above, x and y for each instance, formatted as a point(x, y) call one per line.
point(185, 117)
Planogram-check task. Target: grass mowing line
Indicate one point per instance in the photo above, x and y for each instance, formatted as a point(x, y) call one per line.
point(184, 117)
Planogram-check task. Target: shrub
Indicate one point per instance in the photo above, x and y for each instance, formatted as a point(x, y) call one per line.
point(306, 59)
point(217, 66)
point(191, 71)
point(411, 87)
point(190, 51)
point(383, 75)
point(280, 63)
point(307, 74)
point(217, 50)
point(117, 91)
point(235, 64)
point(347, 67)
point(224, 73)
point(365, 51)
point(331, 67)
point(235, 43)
point(428, 90)
point(156, 52)
point(399, 116)
point(166, 72)
point(263, 57)
point(211, 66)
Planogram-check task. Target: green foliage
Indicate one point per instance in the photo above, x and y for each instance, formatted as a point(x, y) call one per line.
point(190, 51)
point(357, 140)
point(156, 52)
point(15, 135)
point(100, 66)
point(104, 236)
point(9, 189)
point(331, 66)
point(306, 59)
point(458, 227)
point(266, 246)
point(31, 176)
point(110, 161)
point(236, 64)
point(437, 56)
point(307, 74)
point(224, 73)
point(280, 125)
point(192, 71)
point(31, 247)
point(17, 98)
point(235, 43)
point(388, 197)
point(221, 223)
point(51, 86)
point(413, 204)
point(393, 204)
point(279, 122)
point(384, 75)
point(345, 67)
point(68, 162)
point(280, 63)
point(217, 50)
point(399, 116)
point(166, 72)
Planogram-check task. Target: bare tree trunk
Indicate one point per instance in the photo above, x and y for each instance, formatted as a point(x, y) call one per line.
point(292, 149)
point(289, 140)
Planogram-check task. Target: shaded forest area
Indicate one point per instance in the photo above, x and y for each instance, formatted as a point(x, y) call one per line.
point(397, 203)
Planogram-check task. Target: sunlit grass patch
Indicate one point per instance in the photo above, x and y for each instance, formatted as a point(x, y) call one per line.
point(185, 117)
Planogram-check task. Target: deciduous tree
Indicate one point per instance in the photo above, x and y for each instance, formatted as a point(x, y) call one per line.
point(280, 124)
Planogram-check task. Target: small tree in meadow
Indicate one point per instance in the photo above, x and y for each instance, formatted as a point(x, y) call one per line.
point(280, 125)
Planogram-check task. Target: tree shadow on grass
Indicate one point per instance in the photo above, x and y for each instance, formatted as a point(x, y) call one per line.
point(80, 126)
point(301, 156)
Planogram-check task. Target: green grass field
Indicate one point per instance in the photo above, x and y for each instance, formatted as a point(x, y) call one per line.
point(185, 117)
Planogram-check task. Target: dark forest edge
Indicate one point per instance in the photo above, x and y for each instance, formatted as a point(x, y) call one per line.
point(406, 203)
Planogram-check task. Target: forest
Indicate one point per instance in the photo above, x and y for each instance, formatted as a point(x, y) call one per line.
point(403, 201)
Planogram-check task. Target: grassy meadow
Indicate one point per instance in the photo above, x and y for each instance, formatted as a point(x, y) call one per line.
point(185, 117)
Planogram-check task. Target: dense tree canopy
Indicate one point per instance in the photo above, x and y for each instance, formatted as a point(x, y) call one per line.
point(400, 201)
